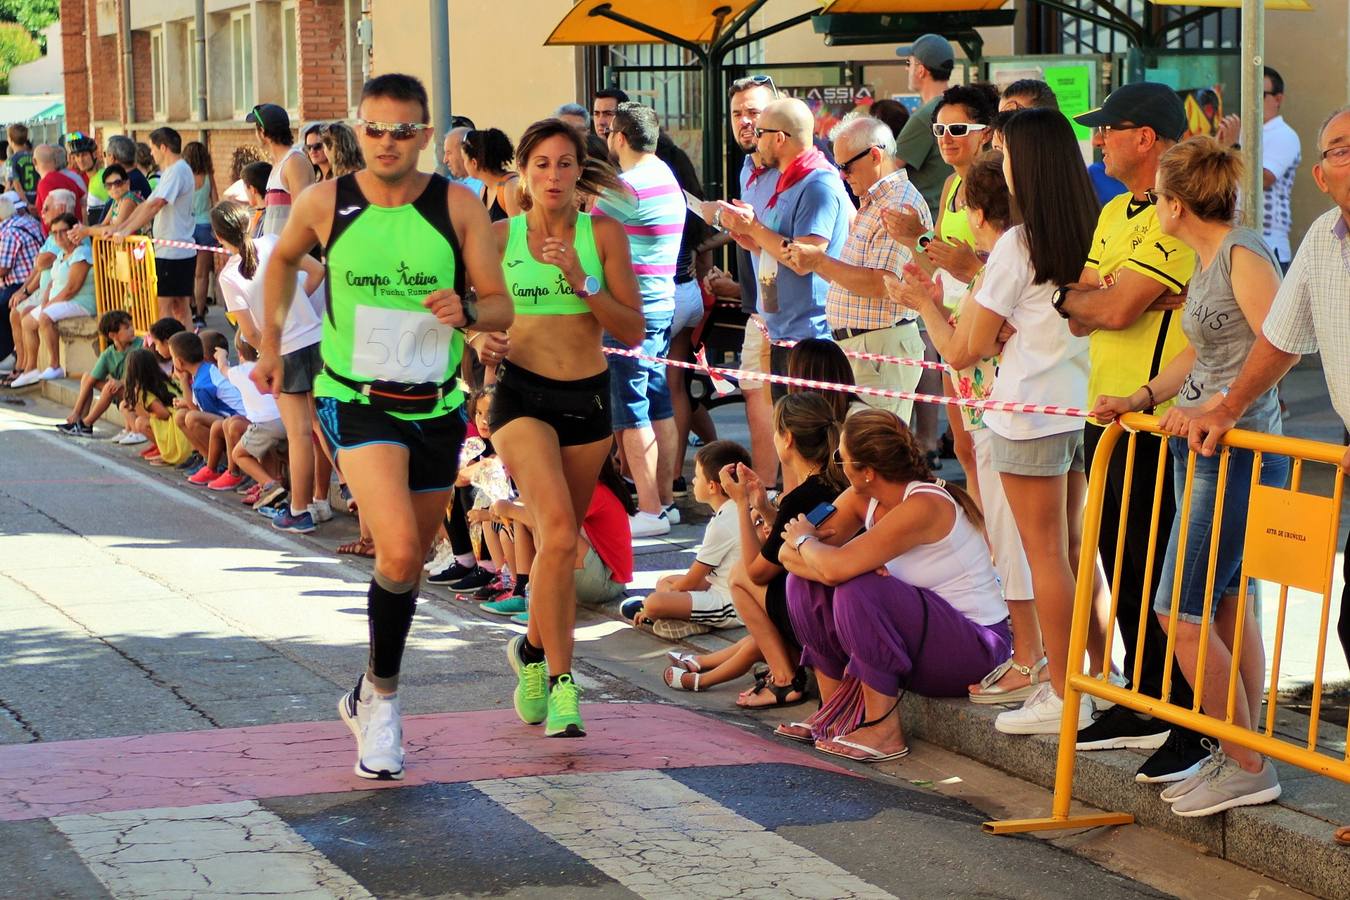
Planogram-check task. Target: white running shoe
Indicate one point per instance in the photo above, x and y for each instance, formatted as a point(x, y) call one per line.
point(673, 514)
point(645, 524)
point(321, 510)
point(1041, 714)
point(441, 556)
point(378, 729)
point(32, 376)
point(52, 374)
point(133, 438)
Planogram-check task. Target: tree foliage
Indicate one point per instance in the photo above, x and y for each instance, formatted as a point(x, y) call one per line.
point(17, 47)
point(33, 15)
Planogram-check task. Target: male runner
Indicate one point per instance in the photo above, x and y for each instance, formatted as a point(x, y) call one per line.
point(400, 246)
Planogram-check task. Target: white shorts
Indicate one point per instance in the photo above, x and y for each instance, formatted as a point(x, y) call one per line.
point(688, 307)
point(67, 309)
point(714, 609)
point(1010, 560)
point(754, 353)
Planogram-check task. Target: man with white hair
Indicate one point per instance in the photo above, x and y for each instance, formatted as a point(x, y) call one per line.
point(576, 115)
point(20, 240)
point(50, 161)
point(860, 314)
point(452, 154)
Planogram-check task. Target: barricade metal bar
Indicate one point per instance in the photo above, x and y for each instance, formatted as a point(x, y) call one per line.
point(1169, 654)
point(1207, 615)
point(1279, 548)
point(1121, 530)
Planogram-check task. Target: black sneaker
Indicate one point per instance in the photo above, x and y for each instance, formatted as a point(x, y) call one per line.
point(1119, 728)
point(67, 427)
point(449, 575)
point(478, 578)
point(198, 323)
point(194, 460)
point(82, 430)
point(680, 488)
point(1180, 757)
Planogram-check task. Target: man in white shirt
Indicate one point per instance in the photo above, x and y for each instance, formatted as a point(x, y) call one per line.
point(170, 205)
point(1280, 158)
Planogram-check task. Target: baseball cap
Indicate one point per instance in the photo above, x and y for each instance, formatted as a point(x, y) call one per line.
point(933, 50)
point(1144, 103)
point(269, 116)
point(14, 198)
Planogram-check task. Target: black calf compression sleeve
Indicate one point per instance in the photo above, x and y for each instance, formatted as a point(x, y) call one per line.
point(390, 614)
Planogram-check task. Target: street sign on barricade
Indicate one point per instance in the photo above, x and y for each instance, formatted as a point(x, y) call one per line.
point(124, 278)
point(1290, 541)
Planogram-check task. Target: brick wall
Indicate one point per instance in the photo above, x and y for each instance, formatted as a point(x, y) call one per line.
point(222, 143)
point(105, 86)
point(322, 59)
point(140, 69)
point(75, 73)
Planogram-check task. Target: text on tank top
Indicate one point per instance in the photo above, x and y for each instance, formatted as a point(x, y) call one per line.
point(539, 289)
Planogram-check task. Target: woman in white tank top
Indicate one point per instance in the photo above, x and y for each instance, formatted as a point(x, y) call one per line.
point(910, 603)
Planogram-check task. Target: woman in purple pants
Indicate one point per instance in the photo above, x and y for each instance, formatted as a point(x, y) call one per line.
point(911, 603)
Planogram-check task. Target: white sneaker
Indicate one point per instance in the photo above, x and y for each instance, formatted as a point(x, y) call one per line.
point(1041, 714)
point(7, 364)
point(378, 729)
point(132, 438)
point(673, 514)
point(441, 555)
point(645, 524)
point(32, 376)
point(52, 374)
point(321, 510)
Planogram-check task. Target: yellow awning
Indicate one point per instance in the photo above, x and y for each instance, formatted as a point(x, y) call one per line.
point(688, 20)
point(876, 7)
point(1298, 5)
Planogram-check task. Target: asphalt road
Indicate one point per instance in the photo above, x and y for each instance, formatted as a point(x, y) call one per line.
point(169, 669)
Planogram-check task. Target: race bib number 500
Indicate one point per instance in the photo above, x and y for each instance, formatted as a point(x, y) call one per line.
point(400, 345)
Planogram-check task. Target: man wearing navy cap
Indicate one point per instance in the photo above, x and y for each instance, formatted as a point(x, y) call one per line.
point(1133, 285)
point(931, 61)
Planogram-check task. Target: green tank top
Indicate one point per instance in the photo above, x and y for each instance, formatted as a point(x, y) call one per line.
point(382, 262)
point(955, 226)
point(539, 289)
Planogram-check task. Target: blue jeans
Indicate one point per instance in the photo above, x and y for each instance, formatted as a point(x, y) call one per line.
point(1232, 534)
point(638, 391)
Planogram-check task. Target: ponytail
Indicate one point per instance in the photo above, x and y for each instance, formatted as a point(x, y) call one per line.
point(808, 417)
point(230, 221)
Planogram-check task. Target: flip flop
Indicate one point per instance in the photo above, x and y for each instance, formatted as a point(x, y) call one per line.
point(871, 755)
point(686, 661)
point(796, 731)
point(991, 693)
point(674, 679)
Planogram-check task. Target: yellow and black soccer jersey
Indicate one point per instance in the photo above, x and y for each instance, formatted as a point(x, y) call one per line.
point(1128, 237)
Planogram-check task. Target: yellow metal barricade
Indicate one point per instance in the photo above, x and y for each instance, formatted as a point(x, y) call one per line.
point(124, 278)
point(1291, 540)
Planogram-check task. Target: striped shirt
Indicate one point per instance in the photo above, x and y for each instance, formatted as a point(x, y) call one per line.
point(20, 243)
point(870, 246)
point(653, 218)
point(1310, 311)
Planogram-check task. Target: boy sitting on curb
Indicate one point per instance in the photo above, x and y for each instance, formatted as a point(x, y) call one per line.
point(107, 377)
point(208, 400)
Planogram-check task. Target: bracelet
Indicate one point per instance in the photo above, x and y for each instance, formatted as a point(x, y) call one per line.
point(1152, 401)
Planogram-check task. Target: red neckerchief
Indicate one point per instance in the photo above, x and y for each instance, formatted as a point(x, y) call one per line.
point(755, 172)
point(808, 161)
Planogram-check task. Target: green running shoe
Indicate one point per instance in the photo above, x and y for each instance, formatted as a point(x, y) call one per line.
point(521, 618)
point(564, 709)
point(531, 695)
point(507, 606)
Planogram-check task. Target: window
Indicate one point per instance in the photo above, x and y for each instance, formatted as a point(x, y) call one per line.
point(158, 97)
point(290, 56)
point(241, 61)
point(191, 54)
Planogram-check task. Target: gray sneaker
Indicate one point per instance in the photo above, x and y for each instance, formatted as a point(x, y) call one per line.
point(1174, 792)
point(1229, 785)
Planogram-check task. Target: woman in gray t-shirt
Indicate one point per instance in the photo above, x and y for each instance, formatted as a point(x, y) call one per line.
point(1235, 281)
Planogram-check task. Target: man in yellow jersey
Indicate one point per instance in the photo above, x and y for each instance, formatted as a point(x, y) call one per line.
point(402, 248)
point(1132, 288)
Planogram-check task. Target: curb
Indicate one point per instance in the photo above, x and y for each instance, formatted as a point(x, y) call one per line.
point(1274, 839)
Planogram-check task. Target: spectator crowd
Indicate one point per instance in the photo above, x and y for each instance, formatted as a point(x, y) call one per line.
point(969, 233)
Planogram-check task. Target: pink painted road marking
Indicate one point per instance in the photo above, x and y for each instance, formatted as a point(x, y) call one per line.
point(231, 764)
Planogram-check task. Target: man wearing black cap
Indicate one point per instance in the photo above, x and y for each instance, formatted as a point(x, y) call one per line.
point(930, 68)
point(1133, 286)
point(291, 171)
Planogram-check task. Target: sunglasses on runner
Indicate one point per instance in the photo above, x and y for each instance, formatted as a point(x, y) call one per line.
point(399, 131)
point(956, 129)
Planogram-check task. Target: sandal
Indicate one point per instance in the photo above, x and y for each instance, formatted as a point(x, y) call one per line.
point(990, 692)
point(780, 691)
point(687, 661)
point(870, 754)
point(674, 678)
point(796, 731)
point(359, 547)
point(1342, 836)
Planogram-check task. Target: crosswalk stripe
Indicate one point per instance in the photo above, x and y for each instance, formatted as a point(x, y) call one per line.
point(660, 838)
point(225, 849)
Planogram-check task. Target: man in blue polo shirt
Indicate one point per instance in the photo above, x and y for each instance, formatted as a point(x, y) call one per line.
point(808, 205)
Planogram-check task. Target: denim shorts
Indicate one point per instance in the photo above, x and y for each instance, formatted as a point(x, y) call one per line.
point(1232, 534)
point(1043, 457)
point(203, 234)
point(638, 391)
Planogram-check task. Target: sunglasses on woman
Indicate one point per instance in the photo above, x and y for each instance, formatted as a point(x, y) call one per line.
point(956, 129)
point(399, 131)
point(107, 183)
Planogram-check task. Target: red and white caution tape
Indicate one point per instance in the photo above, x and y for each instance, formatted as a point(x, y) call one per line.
point(188, 245)
point(716, 372)
point(864, 355)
